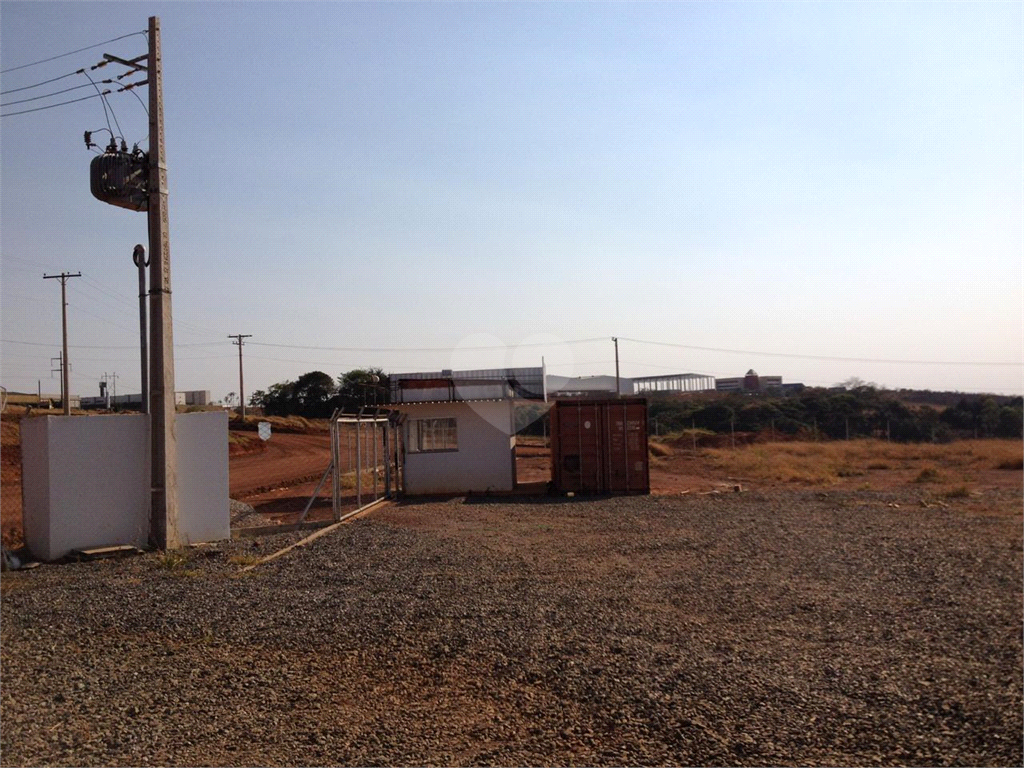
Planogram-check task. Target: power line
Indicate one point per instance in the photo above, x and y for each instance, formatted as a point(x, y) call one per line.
point(36, 85)
point(102, 319)
point(105, 106)
point(819, 357)
point(421, 349)
point(109, 346)
point(48, 95)
point(51, 106)
point(69, 53)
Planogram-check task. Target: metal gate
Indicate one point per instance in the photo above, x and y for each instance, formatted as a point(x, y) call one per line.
point(365, 461)
point(600, 446)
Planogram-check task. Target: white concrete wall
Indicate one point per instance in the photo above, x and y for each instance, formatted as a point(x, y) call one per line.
point(203, 503)
point(485, 460)
point(85, 481)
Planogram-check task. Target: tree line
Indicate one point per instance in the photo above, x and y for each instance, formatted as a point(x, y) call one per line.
point(862, 411)
point(859, 410)
point(316, 395)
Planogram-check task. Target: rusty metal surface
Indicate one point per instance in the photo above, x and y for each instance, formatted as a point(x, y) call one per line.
point(600, 446)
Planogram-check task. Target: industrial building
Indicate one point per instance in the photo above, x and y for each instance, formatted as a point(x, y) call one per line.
point(750, 383)
point(674, 382)
point(587, 386)
point(134, 401)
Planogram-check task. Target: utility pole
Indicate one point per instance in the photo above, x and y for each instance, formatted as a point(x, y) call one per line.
point(164, 454)
point(241, 382)
point(59, 369)
point(617, 392)
point(141, 261)
point(163, 517)
point(65, 392)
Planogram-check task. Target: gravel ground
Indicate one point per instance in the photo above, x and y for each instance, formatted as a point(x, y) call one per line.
point(768, 628)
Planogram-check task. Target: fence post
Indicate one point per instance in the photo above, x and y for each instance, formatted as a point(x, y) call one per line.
point(359, 459)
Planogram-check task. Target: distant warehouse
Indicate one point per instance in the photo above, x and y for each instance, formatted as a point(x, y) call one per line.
point(673, 382)
point(134, 401)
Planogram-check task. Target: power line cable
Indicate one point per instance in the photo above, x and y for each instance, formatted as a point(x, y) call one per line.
point(48, 95)
point(36, 85)
point(134, 304)
point(820, 357)
point(108, 346)
point(420, 349)
point(69, 53)
point(51, 106)
point(105, 105)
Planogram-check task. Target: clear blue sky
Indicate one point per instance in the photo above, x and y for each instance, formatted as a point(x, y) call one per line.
point(799, 181)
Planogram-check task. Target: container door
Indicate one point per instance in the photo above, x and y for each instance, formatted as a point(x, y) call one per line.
point(576, 431)
point(626, 448)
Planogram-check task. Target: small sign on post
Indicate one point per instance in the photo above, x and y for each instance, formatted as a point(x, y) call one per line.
point(264, 430)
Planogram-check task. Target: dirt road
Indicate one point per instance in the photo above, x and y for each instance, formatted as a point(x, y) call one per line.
point(286, 460)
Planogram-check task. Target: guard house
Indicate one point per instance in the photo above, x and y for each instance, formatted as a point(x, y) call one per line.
point(458, 427)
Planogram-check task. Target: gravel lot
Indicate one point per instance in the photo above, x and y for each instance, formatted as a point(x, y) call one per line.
point(783, 627)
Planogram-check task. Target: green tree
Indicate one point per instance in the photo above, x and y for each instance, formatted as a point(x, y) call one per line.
point(362, 387)
point(276, 400)
point(312, 394)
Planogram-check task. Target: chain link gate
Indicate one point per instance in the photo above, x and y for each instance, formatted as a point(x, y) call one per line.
point(365, 458)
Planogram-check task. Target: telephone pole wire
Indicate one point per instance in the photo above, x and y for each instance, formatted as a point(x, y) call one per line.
point(241, 381)
point(65, 382)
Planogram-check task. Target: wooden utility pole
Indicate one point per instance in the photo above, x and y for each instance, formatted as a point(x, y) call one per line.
point(65, 392)
point(241, 380)
point(164, 510)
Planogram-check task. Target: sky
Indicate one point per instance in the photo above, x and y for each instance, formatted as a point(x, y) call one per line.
point(813, 190)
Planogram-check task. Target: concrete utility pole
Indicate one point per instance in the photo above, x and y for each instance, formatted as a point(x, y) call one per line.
point(241, 380)
point(65, 392)
point(618, 392)
point(164, 509)
point(140, 260)
point(163, 515)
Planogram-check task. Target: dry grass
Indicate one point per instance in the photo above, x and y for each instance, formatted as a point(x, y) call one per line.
point(660, 449)
point(827, 463)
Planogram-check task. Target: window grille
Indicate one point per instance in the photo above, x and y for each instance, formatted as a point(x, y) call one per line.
point(427, 435)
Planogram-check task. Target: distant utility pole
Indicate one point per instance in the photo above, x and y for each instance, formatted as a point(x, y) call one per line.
point(108, 377)
point(59, 369)
point(617, 391)
point(65, 391)
point(239, 342)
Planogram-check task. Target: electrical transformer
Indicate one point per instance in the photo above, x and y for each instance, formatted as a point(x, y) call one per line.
point(121, 178)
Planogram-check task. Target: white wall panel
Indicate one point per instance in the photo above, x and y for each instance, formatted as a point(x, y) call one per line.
point(86, 481)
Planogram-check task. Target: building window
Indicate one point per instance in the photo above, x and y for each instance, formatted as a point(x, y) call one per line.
point(433, 435)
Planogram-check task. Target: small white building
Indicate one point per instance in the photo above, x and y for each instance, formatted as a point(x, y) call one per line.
point(458, 428)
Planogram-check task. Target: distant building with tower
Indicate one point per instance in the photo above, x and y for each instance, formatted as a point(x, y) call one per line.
point(751, 383)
